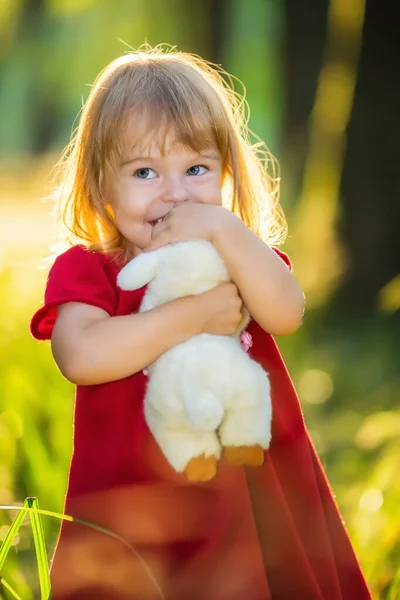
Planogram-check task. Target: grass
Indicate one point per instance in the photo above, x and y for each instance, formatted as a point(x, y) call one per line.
point(31, 507)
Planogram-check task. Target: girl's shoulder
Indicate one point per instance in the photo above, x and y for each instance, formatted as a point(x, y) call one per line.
point(76, 275)
point(81, 255)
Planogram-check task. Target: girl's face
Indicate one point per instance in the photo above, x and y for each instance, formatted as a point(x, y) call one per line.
point(150, 184)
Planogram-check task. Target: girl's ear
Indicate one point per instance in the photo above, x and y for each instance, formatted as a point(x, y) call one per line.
point(139, 271)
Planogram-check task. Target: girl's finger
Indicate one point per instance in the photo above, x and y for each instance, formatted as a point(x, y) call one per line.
point(158, 242)
point(158, 228)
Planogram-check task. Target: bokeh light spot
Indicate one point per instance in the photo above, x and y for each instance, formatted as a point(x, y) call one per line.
point(315, 386)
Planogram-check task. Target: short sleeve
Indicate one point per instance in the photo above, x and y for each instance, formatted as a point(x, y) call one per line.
point(77, 275)
point(284, 257)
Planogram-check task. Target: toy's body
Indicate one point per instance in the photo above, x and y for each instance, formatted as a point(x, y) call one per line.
point(207, 392)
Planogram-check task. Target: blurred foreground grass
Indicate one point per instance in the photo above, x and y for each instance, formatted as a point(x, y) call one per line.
point(347, 379)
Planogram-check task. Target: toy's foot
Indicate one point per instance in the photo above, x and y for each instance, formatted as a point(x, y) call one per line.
point(201, 468)
point(252, 456)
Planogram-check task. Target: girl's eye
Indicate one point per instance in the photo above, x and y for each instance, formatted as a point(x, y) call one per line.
point(195, 170)
point(145, 173)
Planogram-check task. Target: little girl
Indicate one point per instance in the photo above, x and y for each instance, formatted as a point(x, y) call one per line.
point(161, 155)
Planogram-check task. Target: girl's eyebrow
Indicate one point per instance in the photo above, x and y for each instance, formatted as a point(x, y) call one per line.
point(209, 156)
point(129, 161)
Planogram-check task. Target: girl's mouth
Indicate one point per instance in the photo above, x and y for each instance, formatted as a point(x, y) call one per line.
point(152, 223)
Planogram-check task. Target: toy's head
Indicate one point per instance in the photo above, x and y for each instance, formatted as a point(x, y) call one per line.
point(174, 271)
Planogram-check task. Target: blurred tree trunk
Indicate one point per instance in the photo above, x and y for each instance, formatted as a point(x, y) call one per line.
point(197, 27)
point(43, 109)
point(371, 182)
point(215, 14)
point(30, 16)
point(303, 55)
point(370, 207)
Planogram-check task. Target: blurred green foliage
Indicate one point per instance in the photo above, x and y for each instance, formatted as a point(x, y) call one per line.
point(346, 373)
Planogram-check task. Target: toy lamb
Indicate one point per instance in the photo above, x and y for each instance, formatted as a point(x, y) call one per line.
point(205, 393)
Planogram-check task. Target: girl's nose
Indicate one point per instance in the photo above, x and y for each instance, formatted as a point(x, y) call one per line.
point(175, 191)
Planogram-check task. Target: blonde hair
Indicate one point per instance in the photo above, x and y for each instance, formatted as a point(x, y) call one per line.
point(172, 89)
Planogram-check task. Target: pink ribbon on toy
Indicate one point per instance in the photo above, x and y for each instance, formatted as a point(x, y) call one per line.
point(246, 340)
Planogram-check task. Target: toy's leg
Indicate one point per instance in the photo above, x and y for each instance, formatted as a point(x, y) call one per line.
point(252, 456)
point(195, 452)
point(245, 433)
point(201, 468)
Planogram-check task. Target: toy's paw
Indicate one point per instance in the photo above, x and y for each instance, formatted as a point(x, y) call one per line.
point(201, 468)
point(253, 456)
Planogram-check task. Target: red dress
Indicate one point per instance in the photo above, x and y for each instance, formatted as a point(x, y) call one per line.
point(267, 533)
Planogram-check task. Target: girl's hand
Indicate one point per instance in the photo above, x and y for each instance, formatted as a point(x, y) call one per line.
point(189, 221)
point(220, 309)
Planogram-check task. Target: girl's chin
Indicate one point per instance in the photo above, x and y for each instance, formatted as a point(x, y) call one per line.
point(134, 250)
point(142, 240)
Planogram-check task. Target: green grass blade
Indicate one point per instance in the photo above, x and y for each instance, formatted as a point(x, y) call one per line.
point(12, 532)
point(64, 517)
point(40, 546)
point(9, 588)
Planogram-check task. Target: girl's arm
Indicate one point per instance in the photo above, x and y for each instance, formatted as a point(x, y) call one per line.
point(90, 347)
point(269, 290)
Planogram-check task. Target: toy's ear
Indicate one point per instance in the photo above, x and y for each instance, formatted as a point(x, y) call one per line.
point(139, 271)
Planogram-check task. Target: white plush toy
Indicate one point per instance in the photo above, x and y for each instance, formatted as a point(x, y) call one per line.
point(205, 393)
